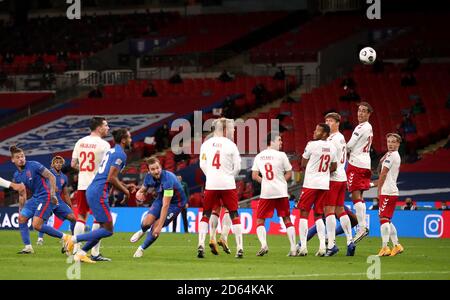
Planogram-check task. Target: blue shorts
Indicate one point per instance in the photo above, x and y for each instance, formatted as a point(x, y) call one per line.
point(97, 199)
point(172, 212)
point(37, 207)
point(62, 210)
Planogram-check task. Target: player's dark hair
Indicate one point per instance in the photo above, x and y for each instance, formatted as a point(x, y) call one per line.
point(14, 150)
point(271, 137)
point(334, 115)
point(325, 128)
point(119, 134)
point(152, 160)
point(96, 122)
point(366, 104)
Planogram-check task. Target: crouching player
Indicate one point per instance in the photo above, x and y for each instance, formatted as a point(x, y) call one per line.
point(169, 203)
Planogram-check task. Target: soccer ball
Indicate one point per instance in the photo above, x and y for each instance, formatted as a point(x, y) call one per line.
point(367, 55)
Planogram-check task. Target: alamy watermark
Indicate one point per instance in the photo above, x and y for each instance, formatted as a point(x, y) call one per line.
point(74, 10)
point(74, 270)
point(374, 270)
point(374, 10)
point(251, 130)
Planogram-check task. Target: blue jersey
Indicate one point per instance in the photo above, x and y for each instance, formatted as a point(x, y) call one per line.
point(167, 181)
point(31, 177)
point(61, 182)
point(115, 157)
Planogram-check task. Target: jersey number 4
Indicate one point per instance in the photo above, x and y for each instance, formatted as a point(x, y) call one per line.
point(87, 161)
point(216, 160)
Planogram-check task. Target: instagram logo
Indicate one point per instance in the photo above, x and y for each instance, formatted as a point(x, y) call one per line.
point(433, 226)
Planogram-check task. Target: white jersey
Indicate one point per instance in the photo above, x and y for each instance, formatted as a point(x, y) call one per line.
point(320, 154)
point(5, 183)
point(359, 146)
point(338, 141)
point(89, 152)
point(220, 161)
point(272, 164)
point(391, 161)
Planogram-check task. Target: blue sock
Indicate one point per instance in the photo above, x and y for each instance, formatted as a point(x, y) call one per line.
point(312, 231)
point(25, 233)
point(51, 231)
point(72, 226)
point(339, 230)
point(89, 245)
point(41, 234)
point(94, 235)
point(150, 239)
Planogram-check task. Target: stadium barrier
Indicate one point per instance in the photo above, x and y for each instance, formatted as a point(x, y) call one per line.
point(416, 224)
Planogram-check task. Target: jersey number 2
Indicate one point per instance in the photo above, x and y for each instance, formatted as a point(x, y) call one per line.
point(216, 160)
point(87, 161)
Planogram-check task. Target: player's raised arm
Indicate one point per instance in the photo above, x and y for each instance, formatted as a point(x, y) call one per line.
point(51, 178)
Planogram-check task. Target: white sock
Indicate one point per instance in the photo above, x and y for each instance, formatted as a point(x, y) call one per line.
point(95, 251)
point(385, 233)
point(213, 222)
point(261, 232)
point(290, 232)
point(78, 229)
point(331, 230)
point(347, 227)
point(303, 232)
point(360, 209)
point(393, 235)
point(202, 232)
point(226, 226)
point(237, 230)
point(321, 233)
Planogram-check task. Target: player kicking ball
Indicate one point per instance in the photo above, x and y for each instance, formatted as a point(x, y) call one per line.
point(86, 158)
point(388, 195)
point(170, 201)
point(276, 170)
point(97, 196)
point(319, 160)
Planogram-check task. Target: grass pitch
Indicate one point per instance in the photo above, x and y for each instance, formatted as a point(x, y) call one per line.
point(173, 256)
